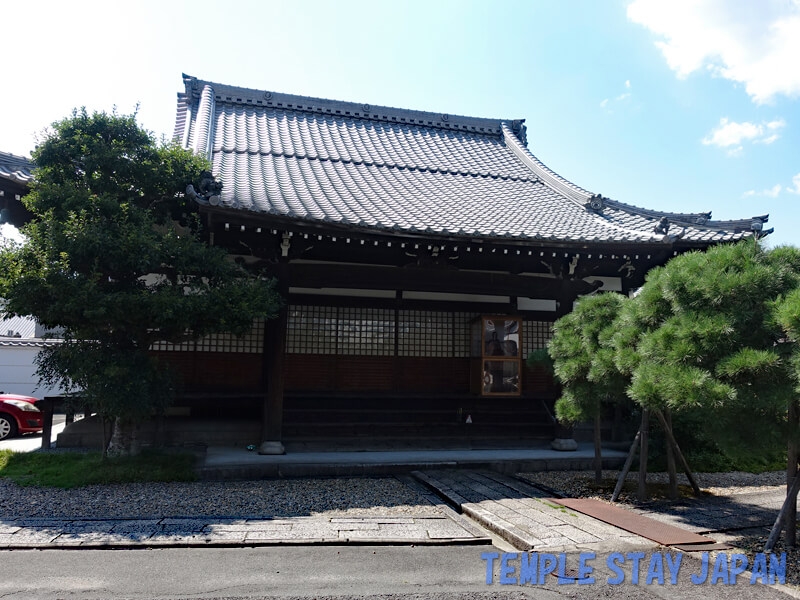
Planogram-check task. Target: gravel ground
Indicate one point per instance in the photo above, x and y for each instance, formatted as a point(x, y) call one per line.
point(580, 484)
point(752, 544)
point(385, 496)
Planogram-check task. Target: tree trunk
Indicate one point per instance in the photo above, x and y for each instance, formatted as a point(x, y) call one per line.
point(673, 476)
point(790, 502)
point(598, 452)
point(125, 439)
point(108, 432)
point(626, 467)
point(642, 493)
point(791, 473)
point(681, 457)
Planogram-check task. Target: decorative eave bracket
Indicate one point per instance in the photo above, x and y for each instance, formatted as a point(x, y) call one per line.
point(208, 191)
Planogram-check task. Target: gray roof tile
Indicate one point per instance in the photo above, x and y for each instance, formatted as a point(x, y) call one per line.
point(16, 168)
point(393, 169)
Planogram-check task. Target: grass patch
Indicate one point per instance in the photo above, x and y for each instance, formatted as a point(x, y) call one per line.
point(71, 470)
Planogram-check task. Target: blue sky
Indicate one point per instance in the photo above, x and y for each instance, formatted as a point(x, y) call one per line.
point(680, 106)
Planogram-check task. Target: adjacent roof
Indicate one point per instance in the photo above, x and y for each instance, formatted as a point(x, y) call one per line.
point(6, 342)
point(16, 168)
point(17, 327)
point(392, 169)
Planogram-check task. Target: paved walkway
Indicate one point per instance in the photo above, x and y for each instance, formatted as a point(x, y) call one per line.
point(443, 526)
point(520, 514)
point(37, 533)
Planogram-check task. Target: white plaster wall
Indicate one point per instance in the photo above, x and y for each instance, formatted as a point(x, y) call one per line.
point(18, 373)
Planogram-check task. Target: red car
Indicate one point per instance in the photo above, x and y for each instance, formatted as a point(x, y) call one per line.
point(18, 414)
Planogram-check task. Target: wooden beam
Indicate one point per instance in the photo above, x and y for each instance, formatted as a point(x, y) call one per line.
point(434, 280)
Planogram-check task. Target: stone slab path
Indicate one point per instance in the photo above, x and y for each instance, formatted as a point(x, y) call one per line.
point(521, 515)
point(61, 533)
point(443, 526)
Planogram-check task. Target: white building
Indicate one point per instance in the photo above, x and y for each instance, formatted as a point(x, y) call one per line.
point(21, 338)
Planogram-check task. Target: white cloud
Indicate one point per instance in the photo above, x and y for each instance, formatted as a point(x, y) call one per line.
point(736, 151)
point(753, 43)
point(772, 192)
point(623, 96)
point(796, 183)
point(10, 235)
point(731, 133)
point(768, 140)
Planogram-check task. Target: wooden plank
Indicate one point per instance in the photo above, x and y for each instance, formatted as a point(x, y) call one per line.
point(663, 533)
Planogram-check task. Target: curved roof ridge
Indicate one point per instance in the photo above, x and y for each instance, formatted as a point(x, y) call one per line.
point(204, 133)
point(183, 120)
point(582, 196)
point(572, 192)
point(649, 212)
point(253, 97)
point(701, 220)
point(546, 175)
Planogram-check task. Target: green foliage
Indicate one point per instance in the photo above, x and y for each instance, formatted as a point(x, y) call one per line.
point(540, 358)
point(71, 470)
point(703, 336)
point(115, 259)
point(708, 450)
point(583, 357)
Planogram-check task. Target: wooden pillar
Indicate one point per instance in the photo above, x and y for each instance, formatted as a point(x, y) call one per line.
point(273, 355)
point(564, 436)
point(47, 422)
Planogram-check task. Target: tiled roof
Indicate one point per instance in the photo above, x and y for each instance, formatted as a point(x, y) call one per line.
point(15, 168)
point(6, 342)
point(393, 169)
point(24, 327)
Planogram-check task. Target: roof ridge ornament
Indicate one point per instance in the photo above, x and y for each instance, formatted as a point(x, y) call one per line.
point(757, 226)
point(596, 203)
point(662, 226)
point(208, 190)
point(520, 130)
point(703, 218)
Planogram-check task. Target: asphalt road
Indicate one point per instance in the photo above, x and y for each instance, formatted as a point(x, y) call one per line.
point(345, 572)
point(33, 441)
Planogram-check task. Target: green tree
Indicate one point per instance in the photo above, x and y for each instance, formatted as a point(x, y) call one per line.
point(115, 259)
point(702, 334)
point(583, 362)
point(708, 333)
